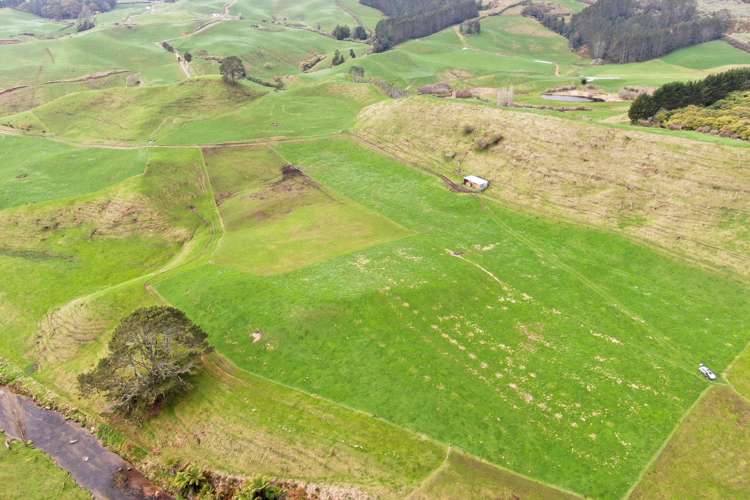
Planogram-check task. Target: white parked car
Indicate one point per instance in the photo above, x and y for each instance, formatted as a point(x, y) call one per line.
point(706, 371)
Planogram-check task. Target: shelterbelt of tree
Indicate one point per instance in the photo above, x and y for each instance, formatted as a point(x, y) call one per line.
point(60, 9)
point(414, 19)
point(625, 31)
point(677, 95)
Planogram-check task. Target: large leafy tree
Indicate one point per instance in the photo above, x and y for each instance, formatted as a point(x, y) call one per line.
point(151, 356)
point(232, 69)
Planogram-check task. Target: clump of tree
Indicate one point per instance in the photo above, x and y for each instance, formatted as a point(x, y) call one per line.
point(357, 73)
point(623, 31)
point(417, 18)
point(167, 46)
point(360, 33)
point(277, 83)
point(61, 9)
point(338, 58)
point(487, 140)
point(352, 54)
point(85, 20)
point(232, 69)
point(341, 32)
point(188, 57)
point(471, 27)
point(152, 354)
point(677, 95)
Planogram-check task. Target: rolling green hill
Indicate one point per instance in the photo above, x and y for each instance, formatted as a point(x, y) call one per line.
point(378, 331)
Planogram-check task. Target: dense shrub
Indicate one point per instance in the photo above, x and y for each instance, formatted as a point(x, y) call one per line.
point(729, 117)
point(260, 489)
point(191, 481)
point(487, 140)
point(471, 27)
point(677, 95)
point(341, 32)
point(338, 58)
point(360, 33)
point(151, 355)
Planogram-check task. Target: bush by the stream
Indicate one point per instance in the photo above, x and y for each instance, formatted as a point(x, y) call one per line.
point(260, 489)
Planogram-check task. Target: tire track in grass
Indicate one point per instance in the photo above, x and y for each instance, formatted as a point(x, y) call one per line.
point(658, 337)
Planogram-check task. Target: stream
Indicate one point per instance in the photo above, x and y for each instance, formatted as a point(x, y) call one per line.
point(105, 474)
point(568, 98)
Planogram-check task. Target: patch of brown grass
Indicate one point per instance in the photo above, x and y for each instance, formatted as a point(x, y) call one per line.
point(465, 477)
point(709, 455)
point(686, 196)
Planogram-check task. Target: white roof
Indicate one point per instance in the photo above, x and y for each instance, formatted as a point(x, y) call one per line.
point(475, 180)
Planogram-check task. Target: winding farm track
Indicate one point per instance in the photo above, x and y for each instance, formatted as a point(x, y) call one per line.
point(78, 79)
point(349, 11)
point(74, 449)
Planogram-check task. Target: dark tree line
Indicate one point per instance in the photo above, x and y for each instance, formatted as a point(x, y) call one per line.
point(677, 95)
point(623, 31)
point(417, 18)
point(342, 32)
point(61, 9)
point(399, 8)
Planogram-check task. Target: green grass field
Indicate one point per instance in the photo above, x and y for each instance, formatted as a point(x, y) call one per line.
point(27, 473)
point(291, 214)
point(35, 170)
point(196, 112)
point(374, 330)
point(444, 329)
point(268, 51)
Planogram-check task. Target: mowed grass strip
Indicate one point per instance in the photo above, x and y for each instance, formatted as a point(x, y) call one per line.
point(462, 476)
point(708, 456)
point(536, 345)
point(278, 219)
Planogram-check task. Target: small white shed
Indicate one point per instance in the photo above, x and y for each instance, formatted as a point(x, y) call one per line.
point(476, 182)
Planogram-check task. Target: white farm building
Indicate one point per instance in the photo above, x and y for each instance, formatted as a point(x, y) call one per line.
point(476, 182)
